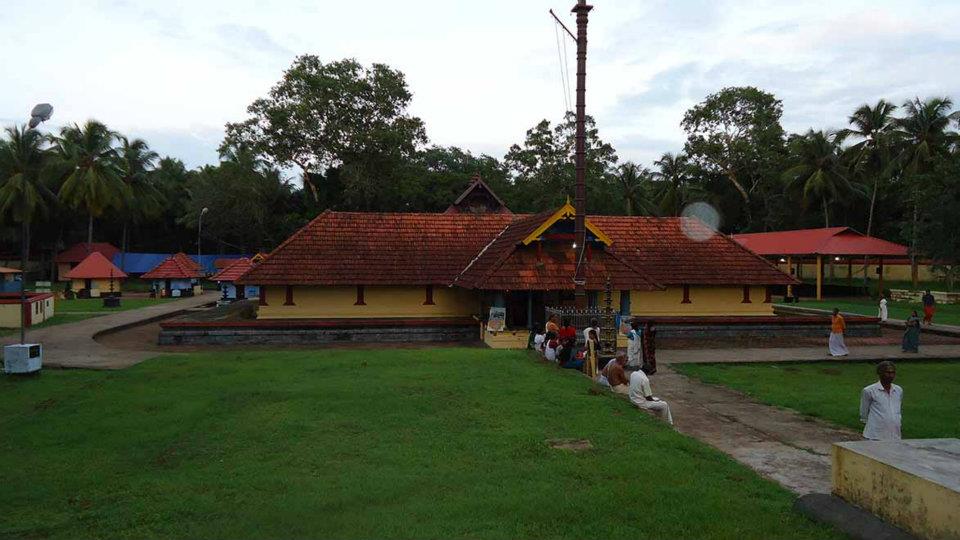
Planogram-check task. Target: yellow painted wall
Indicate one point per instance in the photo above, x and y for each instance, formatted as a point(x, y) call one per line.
point(704, 300)
point(98, 286)
point(915, 504)
point(510, 339)
point(10, 314)
point(890, 271)
point(338, 302)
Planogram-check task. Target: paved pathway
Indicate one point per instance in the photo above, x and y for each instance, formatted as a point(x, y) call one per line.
point(782, 445)
point(806, 354)
point(72, 345)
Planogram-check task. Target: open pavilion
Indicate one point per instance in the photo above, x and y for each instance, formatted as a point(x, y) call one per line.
point(834, 245)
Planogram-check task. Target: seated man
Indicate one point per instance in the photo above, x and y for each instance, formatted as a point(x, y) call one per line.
point(615, 375)
point(642, 396)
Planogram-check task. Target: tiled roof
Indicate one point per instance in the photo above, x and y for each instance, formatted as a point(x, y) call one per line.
point(79, 252)
point(234, 269)
point(177, 266)
point(95, 266)
point(832, 241)
point(484, 251)
point(360, 248)
point(675, 251)
point(478, 189)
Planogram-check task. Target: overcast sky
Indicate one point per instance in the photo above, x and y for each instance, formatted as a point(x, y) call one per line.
point(481, 72)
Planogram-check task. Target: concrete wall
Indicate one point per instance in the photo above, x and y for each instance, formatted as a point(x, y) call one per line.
point(281, 336)
point(704, 300)
point(890, 271)
point(912, 483)
point(98, 286)
point(339, 302)
point(40, 310)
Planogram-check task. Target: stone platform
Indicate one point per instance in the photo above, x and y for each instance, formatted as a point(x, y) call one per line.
point(913, 484)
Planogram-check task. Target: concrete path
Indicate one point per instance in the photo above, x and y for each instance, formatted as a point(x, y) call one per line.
point(782, 445)
point(72, 345)
point(807, 354)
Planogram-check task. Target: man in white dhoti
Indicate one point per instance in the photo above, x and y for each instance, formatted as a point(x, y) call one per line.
point(635, 346)
point(882, 314)
point(641, 396)
point(837, 327)
point(880, 405)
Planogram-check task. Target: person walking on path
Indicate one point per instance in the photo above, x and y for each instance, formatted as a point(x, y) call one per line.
point(880, 405)
point(882, 314)
point(642, 396)
point(929, 307)
point(837, 327)
point(911, 336)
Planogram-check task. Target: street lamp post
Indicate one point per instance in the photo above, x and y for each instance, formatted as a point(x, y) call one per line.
point(199, 230)
point(40, 113)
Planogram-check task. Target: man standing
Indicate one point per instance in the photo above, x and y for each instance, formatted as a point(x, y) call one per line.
point(837, 327)
point(929, 307)
point(642, 396)
point(635, 346)
point(880, 405)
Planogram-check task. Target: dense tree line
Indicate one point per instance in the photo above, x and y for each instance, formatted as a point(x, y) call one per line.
point(345, 131)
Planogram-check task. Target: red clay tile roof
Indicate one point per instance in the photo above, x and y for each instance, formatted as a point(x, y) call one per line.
point(666, 254)
point(832, 241)
point(79, 252)
point(235, 269)
point(186, 261)
point(360, 248)
point(481, 251)
point(95, 266)
point(174, 267)
point(493, 202)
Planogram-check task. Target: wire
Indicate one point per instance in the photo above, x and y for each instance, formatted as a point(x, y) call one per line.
point(566, 64)
point(563, 77)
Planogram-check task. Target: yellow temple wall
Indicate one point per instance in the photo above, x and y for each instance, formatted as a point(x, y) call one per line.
point(704, 301)
point(101, 286)
point(10, 313)
point(387, 301)
point(897, 272)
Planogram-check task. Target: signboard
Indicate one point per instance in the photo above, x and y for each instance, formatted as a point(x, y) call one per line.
point(498, 319)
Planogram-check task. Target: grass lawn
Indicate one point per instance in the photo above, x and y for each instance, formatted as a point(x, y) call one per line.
point(831, 390)
point(433, 443)
point(946, 313)
point(96, 304)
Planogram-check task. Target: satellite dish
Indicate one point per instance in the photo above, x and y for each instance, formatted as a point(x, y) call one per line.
point(43, 112)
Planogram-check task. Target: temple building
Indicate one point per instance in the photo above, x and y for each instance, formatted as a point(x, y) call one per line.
point(177, 275)
point(95, 276)
point(458, 264)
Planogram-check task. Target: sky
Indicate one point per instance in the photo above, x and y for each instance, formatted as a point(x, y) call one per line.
point(481, 73)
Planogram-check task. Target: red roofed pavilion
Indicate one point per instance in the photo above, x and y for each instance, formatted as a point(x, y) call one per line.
point(174, 276)
point(96, 275)
point(840, 243)
point(76, 253)
point(230, 274)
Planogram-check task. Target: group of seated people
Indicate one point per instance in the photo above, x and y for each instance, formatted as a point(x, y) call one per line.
point(625, 374)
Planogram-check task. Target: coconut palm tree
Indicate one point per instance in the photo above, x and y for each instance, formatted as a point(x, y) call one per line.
point(23, 195)
point(872, 156)
point(141, 198)
point(924, 134)
point(674, 182)
point(93, 178)
point(634, 182)
point(817, 169)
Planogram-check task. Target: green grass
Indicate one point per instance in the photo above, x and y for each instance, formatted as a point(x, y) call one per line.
point(96, 304)
point(831, 391)
point(946, 313)
point(433, 443)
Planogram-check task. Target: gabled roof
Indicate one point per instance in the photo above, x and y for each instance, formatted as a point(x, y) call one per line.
point(486, 251)
point(831, 241)
point(177, 266)
point(478, 189)
point(366, 248)
point(234, 269)
point(7, 270)
point(79, 252)
point(95, 266)
point(567, 211)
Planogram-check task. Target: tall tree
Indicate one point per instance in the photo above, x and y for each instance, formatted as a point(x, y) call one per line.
point(925, 135)
point(634, 184)
point(817, 170)
point(736, 133)
point(675, 187)
point(334, 115)
point(23, 195)
point(90, 163)
point(872, 155)
point(142, 200)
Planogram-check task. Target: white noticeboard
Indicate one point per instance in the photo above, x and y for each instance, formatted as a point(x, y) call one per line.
point(498, 319)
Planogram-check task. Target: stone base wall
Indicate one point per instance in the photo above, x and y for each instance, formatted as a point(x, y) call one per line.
point(319, 336)
point(762, 330)
point(902, 295)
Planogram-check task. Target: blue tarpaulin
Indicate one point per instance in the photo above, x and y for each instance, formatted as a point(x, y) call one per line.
point(140, 263)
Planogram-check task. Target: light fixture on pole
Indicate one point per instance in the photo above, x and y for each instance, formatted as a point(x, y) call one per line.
point(199, 230)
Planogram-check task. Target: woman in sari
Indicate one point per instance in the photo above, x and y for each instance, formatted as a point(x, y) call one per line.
point(593, 345)
point(911, 336)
